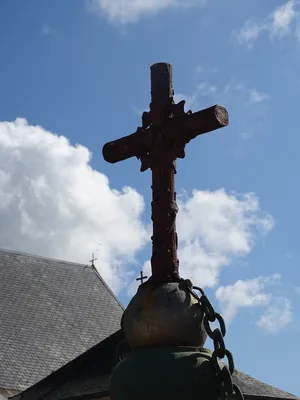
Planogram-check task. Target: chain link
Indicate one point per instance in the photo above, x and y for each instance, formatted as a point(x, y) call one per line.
point(228, 388)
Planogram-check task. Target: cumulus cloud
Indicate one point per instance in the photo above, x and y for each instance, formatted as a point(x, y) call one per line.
point(249, 32)
point(214, 227)
point(248, 293)
point(282, 18)
point(126, 11)
point(279, 23)
point(252, 293)
point(54, 204)
point(277, 315)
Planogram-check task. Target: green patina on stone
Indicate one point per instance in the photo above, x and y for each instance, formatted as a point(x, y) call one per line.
point(165, 373)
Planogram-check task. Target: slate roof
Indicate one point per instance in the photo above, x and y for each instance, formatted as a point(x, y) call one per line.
point(88, 375)
point(51, 311)
point(251, 387)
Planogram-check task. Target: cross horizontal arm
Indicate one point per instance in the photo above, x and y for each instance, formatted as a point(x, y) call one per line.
point(184, 128)
point(203, 121)
point(126, 147)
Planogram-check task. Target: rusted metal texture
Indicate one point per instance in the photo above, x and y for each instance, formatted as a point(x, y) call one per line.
point(161, 139)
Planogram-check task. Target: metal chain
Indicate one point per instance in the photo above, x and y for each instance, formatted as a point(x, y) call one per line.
point(228, 388)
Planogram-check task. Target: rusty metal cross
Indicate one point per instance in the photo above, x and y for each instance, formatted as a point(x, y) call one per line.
point(165, 131)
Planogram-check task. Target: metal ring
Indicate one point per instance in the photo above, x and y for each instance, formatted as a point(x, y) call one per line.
point(200, 290)
point(216, 365)
point(208, 328)
point(209, 310)
point(219, 343)
point(227, 380)
point(206, 303)
point(220, 319)
point(230, 361)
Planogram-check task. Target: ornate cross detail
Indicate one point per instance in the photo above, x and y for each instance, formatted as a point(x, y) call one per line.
point(162, 138)
point(141, 278)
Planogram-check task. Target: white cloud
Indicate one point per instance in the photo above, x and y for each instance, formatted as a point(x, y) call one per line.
point(277, 24)
point(213, 228)
point(248, 33)
point(257, 97)
point(237, 91)
point(282, 18)
point(191, 102)
point(201, 70)
point(252, 293)
point(249, 102)
point(54, 204)
point(203, 89)
point(125, 11)
point(241, 294)
point(277, 315)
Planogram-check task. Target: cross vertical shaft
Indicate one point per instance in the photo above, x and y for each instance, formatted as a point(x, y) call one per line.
point(164, 262)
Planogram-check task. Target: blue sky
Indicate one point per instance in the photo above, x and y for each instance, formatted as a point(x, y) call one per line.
point(75, 74)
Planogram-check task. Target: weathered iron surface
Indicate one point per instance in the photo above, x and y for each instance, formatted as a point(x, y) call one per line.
point(165, 131)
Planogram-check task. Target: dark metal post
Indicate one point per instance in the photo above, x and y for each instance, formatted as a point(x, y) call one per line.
point(164, 260)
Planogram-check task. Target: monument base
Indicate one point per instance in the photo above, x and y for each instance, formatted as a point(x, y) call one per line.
point(166, 373)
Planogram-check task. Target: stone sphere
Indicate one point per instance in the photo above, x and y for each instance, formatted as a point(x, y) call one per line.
point(163, 315)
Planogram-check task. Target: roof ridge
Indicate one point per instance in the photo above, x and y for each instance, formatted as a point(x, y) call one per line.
point(74, 264)
point(23, 253)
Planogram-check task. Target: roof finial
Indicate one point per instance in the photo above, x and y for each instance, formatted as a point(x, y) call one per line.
point(93, 267)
